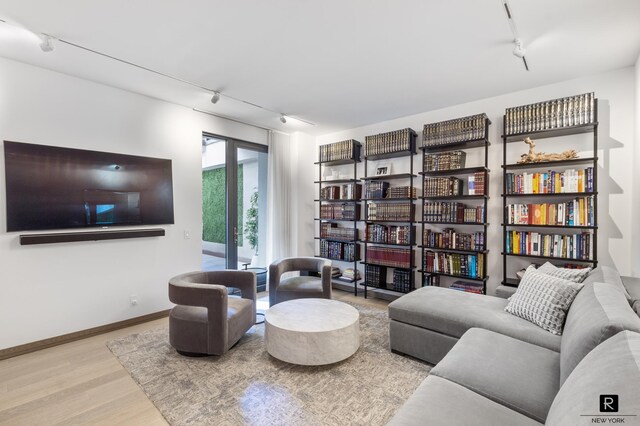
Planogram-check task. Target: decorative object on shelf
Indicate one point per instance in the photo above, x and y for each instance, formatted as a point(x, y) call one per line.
point(537, 157)
point(576, 217)
point(383, 169)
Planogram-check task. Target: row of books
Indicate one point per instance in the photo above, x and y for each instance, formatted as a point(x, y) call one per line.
point(450, 160)
point(349, 191)
point(456, 130)
point(442, 186)
point(451, 239)
point(349, 275)
point(343, 150)
point(375, 276)
point(348, 252)
point(401, 192)
point(332, 230)
point(347, 211)
point(575, 246)
point(402, 281)
point(477, 184)
point(463, 265)
point(577, 212)
point(553, 114)
point(551, 182)
point(390, 211)
point(477, 288)
point(387, 256)
point(453, 212)
point(384, 143)
point(375, 189)
point(377, 233)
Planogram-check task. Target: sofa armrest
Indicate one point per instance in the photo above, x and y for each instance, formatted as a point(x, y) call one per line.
point(505, 291)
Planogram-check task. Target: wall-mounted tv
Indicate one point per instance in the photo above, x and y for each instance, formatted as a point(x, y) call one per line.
point(59, 188)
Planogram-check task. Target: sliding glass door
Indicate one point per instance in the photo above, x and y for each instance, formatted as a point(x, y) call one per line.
point(234, 203)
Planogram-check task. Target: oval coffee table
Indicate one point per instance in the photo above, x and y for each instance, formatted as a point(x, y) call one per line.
point(312, 331)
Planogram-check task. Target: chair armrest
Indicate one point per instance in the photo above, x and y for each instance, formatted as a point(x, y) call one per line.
point(325, 276)
point(194, 294)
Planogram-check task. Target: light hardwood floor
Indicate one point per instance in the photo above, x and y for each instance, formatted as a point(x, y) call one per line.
point(83, 383)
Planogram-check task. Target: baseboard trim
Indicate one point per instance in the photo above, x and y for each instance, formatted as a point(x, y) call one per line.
point(77, 335)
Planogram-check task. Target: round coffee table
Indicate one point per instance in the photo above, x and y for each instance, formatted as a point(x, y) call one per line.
point(312, 331)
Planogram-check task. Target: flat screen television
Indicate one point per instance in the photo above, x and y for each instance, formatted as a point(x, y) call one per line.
point(60, 188)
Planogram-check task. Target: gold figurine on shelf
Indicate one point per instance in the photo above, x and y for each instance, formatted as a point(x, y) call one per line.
point(537, 157)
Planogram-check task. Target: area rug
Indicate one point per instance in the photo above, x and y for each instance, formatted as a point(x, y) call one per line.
point(247, 386)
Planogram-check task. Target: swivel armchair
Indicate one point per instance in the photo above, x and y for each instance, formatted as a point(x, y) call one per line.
point(206, 321)
point(282, 289)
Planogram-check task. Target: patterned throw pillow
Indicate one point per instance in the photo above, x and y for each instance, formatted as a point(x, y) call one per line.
point(543, 300)
point(575, 275)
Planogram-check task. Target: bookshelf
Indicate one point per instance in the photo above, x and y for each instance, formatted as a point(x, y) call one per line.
point(389, 213)
point(339, 207)
point(454, 202)
point(550, 208)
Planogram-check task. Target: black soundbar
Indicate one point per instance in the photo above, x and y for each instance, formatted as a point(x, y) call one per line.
point(69, 237)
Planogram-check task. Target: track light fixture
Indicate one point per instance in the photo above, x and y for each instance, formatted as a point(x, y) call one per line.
point(46, 43)
point(519, 50)
point(215, 98)
point(283, 119)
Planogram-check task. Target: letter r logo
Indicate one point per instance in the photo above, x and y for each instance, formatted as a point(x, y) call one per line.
point(608, 403)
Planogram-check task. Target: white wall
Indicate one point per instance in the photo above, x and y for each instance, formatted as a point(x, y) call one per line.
point(304, 153)
point(615, 91)
point(53, 289)
point(635, 232)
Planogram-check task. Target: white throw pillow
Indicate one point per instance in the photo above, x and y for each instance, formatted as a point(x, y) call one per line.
point(543, 300)
point(575, 275)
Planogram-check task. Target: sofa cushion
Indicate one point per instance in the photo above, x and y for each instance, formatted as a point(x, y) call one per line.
point(613, 368)
point(513, 373)
point(543, 299)
point(454, 312)
point(598, 312)
point(632, 285)
point(605, 274)
point(440, 402)
point(575, 275)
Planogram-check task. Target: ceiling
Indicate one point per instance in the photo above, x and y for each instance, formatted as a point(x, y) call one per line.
point(336, 63)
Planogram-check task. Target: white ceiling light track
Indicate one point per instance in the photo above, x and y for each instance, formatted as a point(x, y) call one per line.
point(47, 45)
point(519, 49)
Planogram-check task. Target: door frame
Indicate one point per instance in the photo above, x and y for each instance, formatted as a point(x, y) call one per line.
point(231, 190)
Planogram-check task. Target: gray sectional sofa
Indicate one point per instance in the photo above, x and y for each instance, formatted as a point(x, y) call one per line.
point(494, 368)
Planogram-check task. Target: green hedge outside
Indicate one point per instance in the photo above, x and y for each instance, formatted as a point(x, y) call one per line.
point(214, 207)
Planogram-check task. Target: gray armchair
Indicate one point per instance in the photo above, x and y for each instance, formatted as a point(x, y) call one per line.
point(300, 287)
point(206, 321)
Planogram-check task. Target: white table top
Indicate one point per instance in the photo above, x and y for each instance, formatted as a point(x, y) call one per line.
point(312, 315)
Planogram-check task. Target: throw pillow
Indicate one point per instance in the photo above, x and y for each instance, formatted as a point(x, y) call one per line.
point(575, 275)
point(543, 300)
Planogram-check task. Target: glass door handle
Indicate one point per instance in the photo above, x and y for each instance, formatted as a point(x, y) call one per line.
point(235, 234)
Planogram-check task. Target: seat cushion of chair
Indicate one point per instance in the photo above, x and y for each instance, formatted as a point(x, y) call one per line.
point(188, 325)
point(516, 374)
point(302, 284)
